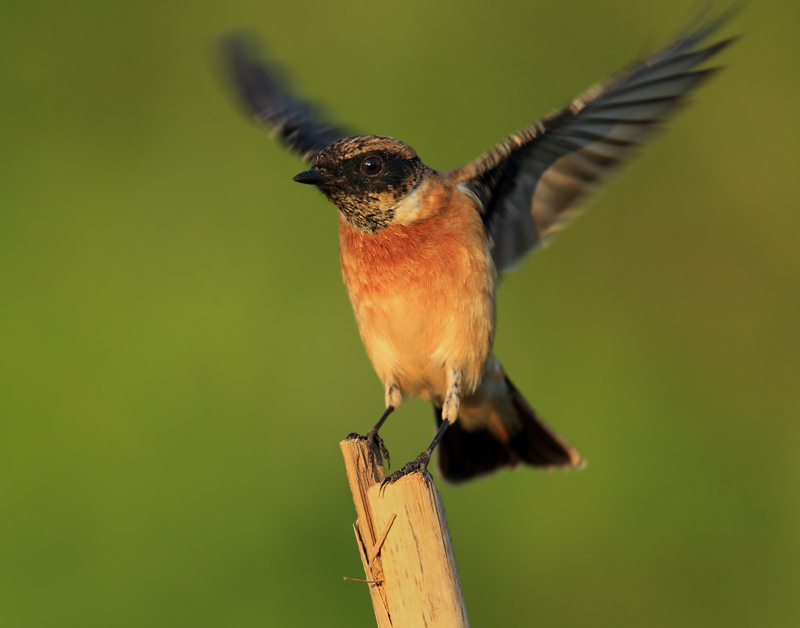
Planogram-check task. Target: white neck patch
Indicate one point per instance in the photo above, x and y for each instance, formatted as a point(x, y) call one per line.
point(410, 209)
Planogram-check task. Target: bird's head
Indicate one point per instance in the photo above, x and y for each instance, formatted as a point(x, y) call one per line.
point(367, 177)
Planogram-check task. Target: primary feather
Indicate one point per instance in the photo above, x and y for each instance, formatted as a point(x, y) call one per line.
point(532, 183)
point(264, 95)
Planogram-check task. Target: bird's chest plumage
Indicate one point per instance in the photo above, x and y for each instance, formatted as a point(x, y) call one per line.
point(423, 296)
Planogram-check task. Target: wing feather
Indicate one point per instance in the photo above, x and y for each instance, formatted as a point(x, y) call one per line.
point(264, 95)
point(535, 181)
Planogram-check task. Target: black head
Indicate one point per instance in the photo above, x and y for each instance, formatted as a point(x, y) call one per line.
point(366, 177)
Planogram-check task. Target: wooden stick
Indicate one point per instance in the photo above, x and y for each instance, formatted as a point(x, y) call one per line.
point(404, 545)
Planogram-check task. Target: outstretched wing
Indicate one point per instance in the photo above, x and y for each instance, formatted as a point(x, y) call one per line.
point(531, 184)
point(264, 95)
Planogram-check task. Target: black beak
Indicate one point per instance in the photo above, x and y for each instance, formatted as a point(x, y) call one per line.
point(314, 177)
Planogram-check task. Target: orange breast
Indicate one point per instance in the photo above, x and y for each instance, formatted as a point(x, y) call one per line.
point(423, 295)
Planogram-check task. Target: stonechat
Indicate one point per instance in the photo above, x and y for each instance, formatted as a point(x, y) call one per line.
point(421, 250)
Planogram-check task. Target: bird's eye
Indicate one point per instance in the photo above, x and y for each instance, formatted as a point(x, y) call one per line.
point(371, 166)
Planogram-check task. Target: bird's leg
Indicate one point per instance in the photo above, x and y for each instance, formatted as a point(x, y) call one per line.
point(420, 463)
point(393, 399)
point(372, 437)
point(452, 402)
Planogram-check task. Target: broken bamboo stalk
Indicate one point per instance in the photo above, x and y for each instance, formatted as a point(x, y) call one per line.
point(404, 545)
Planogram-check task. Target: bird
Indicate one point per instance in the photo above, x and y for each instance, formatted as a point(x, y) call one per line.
point(421, 250)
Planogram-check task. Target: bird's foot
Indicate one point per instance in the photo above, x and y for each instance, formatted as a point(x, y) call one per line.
point(373, 440)
point(419, 465)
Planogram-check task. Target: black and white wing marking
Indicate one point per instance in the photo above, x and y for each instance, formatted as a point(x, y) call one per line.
point(264, 95)
point(531, 184)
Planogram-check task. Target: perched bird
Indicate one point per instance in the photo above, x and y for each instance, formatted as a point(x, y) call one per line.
point(421, 250)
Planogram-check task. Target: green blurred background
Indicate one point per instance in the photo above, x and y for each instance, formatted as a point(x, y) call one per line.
point(178, 357)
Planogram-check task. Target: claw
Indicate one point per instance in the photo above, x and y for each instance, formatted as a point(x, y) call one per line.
point(419, 464)
point(373, 439)
point(382, 446)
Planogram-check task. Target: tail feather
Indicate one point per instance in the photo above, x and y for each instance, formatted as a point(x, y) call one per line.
point(467, 453)
point(538, 444)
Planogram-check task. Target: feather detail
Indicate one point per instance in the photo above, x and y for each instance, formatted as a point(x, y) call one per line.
point(535, 181)
point(423, 294)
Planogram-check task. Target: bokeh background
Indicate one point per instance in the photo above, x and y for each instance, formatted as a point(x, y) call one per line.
point(178, 357)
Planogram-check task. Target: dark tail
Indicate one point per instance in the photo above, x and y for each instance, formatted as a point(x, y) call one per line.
point(464, 454)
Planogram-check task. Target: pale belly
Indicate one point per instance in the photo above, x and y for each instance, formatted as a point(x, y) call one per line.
point(415, 340)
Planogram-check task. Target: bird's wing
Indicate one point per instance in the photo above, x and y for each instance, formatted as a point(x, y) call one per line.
point(263, 94)
point(531, 184)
